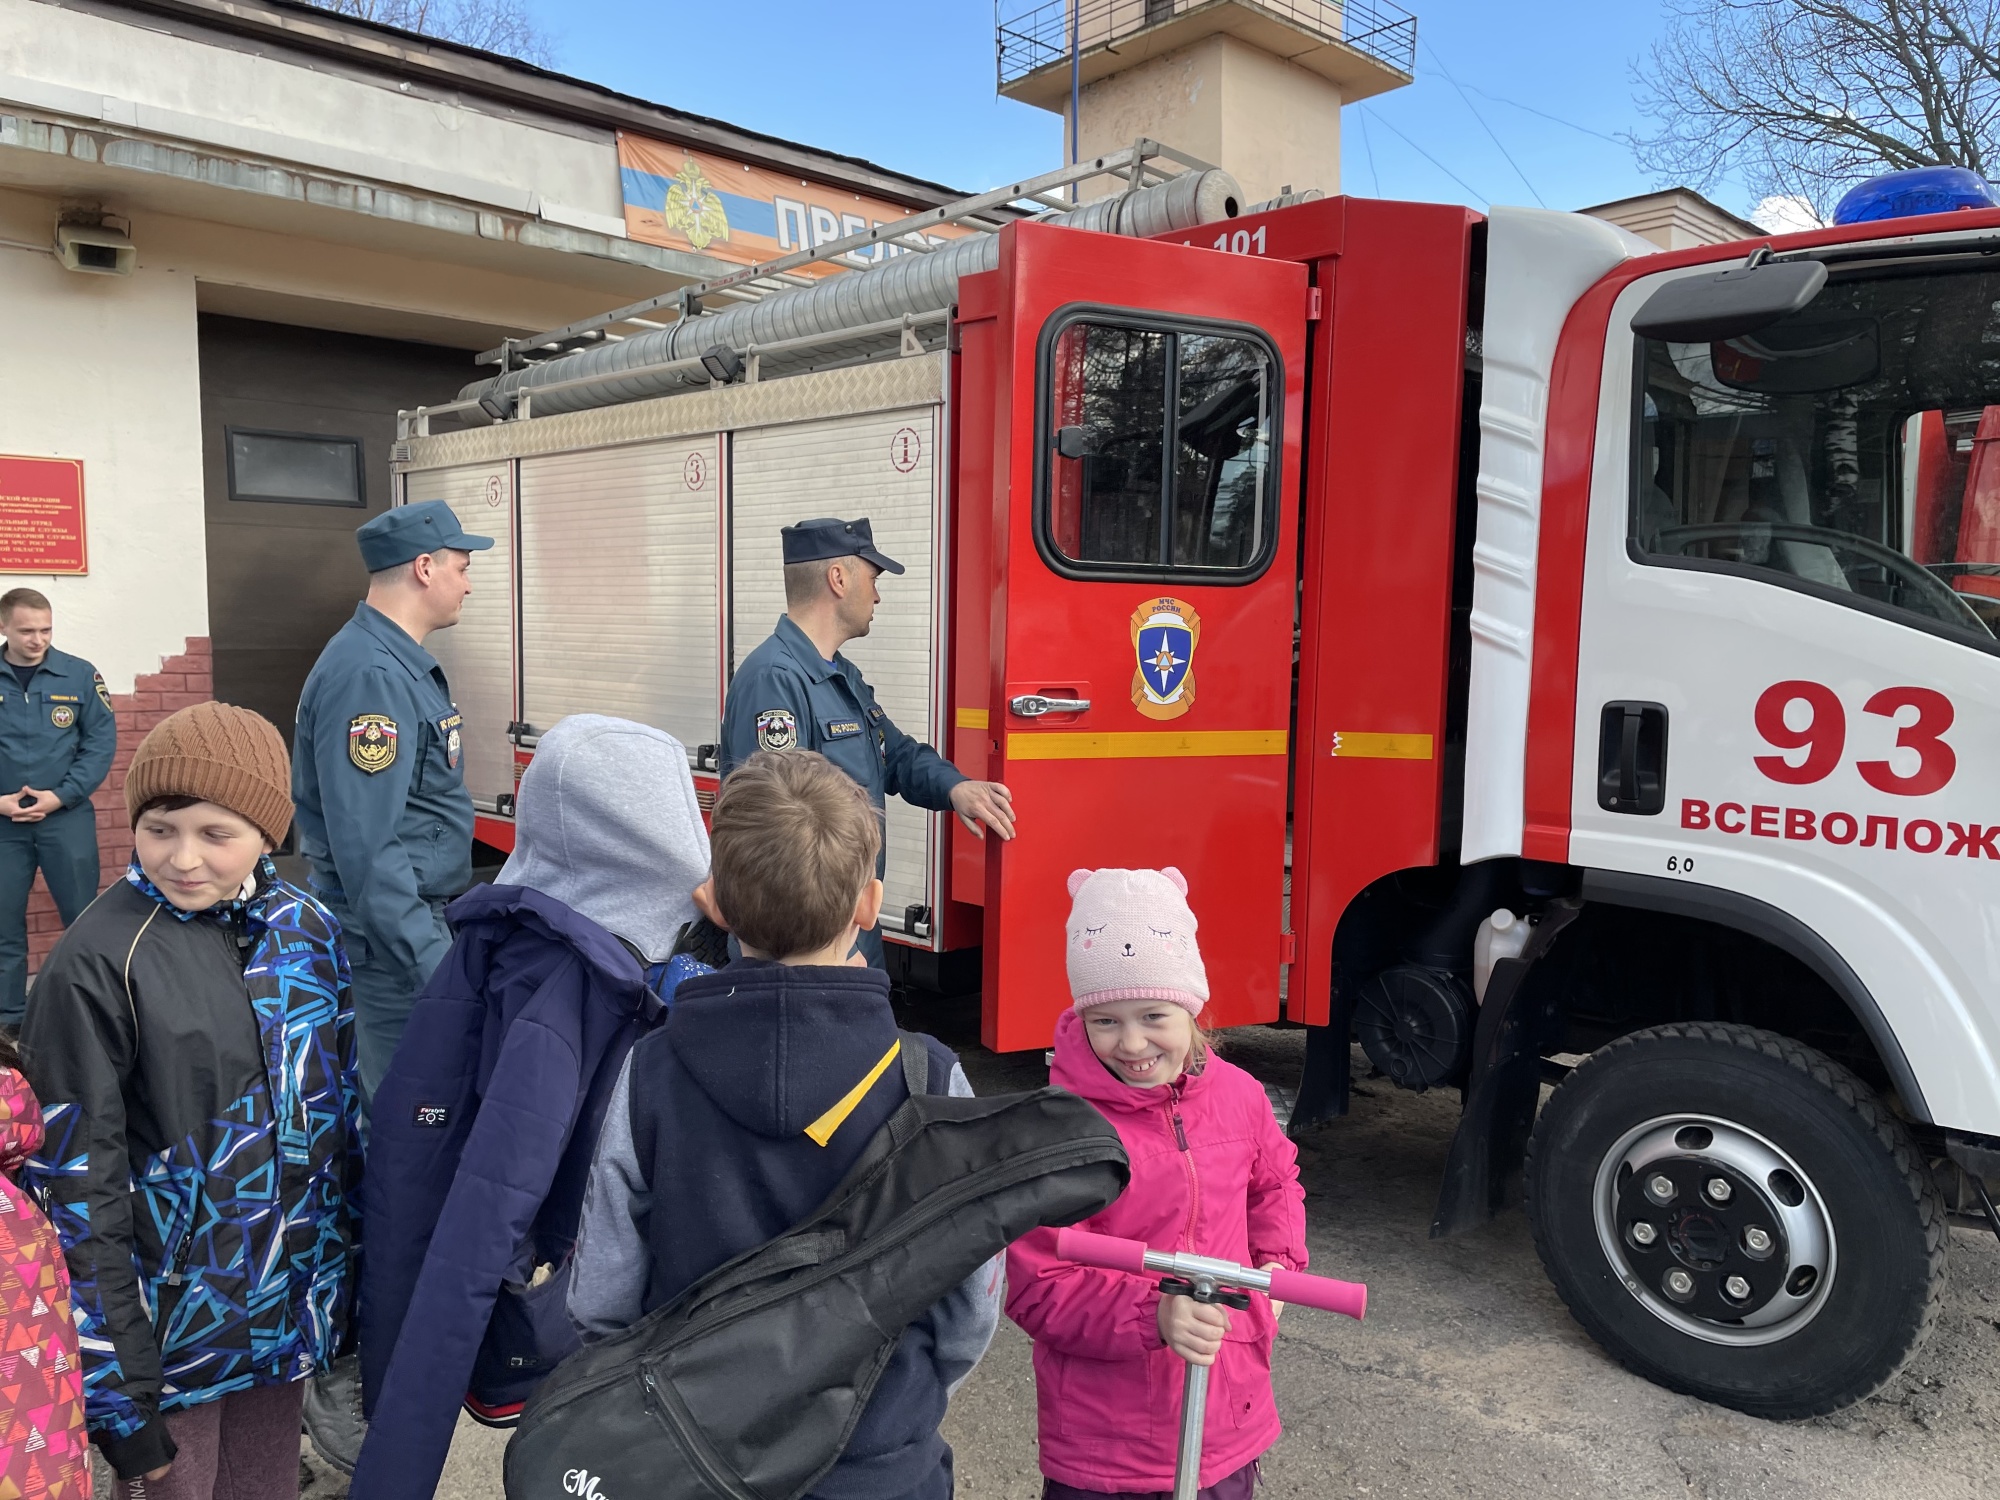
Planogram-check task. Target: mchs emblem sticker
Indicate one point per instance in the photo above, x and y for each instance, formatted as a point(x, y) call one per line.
point(777, 729)
point(1165, 632)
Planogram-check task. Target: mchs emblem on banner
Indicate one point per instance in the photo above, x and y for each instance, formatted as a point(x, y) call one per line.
point(1164, 634)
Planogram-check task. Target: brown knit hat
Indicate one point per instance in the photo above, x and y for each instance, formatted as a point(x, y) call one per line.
point(217, 753)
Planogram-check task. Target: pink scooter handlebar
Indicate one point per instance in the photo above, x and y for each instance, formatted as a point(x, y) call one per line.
point(1349, 1298)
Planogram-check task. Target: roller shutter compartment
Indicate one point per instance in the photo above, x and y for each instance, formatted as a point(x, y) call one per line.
point(881, 465)
point(620, 609)
point(478, 652)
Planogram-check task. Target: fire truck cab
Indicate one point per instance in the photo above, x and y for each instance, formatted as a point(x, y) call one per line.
point(1549, 660)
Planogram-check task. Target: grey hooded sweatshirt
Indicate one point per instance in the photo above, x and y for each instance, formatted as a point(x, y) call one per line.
point(607, 824)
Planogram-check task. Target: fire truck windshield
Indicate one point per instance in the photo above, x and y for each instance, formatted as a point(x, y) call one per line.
point(1851, 450)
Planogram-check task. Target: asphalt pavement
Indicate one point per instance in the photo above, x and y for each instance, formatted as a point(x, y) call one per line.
point(1469, 1378)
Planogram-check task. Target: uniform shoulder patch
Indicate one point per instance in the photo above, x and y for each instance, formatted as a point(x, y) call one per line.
point(97, 681)
point(371, 742)
point(777, 729)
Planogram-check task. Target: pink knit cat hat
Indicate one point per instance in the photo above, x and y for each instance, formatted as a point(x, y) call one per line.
point(1131, 937)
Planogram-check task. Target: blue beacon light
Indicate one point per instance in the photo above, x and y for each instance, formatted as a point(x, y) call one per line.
point(1919, 190)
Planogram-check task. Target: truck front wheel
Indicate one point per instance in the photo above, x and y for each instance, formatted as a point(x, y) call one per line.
point(1736, 1216)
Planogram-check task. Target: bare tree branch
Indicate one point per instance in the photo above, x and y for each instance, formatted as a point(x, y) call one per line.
point(502, 26)
point(1802, 98)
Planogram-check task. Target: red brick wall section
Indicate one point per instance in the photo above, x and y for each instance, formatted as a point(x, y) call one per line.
point(181, 680)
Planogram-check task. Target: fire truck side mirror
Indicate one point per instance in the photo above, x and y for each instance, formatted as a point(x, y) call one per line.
point(1704, 309)
point(1075, 442)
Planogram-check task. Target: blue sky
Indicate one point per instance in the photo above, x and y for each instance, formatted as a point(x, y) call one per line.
point(1513, 103)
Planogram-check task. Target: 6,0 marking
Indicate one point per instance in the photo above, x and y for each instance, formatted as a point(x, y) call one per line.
point(1680, 864)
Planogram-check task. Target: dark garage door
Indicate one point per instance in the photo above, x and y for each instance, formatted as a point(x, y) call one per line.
point(296, 429)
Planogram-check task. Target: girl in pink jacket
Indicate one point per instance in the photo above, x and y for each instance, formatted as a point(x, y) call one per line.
point(43, 1450)
point(1211, 1173)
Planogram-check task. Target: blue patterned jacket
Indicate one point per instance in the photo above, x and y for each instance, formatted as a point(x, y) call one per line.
point(201, 1157)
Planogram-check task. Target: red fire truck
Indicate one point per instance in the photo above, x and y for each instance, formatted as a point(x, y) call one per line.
point(1418, 582)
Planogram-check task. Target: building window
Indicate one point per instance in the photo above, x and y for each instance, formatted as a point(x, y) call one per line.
point(295, 468)
point(1850, 450)
point(1157, 449)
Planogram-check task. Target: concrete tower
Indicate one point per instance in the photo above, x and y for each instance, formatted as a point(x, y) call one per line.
point(1255, 86)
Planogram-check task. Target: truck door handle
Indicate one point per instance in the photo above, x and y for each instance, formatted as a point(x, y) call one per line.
point(1034, 705)
point(1632, 758)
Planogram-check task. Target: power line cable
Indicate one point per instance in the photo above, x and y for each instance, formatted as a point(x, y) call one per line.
point(1365, 110)
point(1555, 119)
point(1368, 142)
point(1474, 111)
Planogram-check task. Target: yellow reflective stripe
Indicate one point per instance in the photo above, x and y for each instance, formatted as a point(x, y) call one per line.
point(1349, 744)
point(822, 1129)
point(1143, 744)
point(971, 718)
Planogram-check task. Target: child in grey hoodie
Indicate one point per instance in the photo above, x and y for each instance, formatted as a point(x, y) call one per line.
point(484, 1125)
point(610, 827)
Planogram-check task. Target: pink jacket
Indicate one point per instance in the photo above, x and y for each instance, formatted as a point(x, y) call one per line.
point(43, 1449)
point(1107, 1392)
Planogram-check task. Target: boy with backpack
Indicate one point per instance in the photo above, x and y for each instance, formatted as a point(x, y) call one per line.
point(739, 1116)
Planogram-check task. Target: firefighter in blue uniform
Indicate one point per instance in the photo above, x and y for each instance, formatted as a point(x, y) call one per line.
point(57, 740)
point(797, 692)
point(384, 818)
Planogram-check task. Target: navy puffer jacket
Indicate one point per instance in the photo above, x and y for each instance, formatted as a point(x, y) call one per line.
point(480, 1141)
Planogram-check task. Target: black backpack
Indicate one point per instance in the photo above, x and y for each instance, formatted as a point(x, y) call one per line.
point(749, 1385)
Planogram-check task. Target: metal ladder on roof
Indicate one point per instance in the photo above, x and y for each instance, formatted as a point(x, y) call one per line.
point(1142, 164)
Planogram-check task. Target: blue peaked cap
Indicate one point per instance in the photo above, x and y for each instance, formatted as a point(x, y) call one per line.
point(409, 531)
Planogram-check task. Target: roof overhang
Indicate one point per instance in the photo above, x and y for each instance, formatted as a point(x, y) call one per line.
point(511, 82)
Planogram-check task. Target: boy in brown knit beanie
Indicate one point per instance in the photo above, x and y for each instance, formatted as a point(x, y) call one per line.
point(192, 1040)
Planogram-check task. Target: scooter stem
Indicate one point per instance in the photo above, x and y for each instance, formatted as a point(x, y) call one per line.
point(1194, 1413)
point(1206, 1280)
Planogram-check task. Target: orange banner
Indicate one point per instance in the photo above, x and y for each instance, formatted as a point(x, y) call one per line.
point(690, 200)
point(41, 515)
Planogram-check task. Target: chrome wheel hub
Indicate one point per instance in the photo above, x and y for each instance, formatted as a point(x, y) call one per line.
point(1714, 1229)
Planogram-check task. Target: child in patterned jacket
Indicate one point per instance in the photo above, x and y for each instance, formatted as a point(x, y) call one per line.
point(43, 1450)
point(192, 1041)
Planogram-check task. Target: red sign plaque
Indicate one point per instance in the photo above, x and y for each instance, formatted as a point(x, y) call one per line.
point(41, 515)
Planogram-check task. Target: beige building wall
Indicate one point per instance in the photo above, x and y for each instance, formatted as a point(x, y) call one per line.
point(104, 369)
point(1676, 219)
point(1270, 122)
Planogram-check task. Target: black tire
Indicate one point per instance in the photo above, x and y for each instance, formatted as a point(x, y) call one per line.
point(1865, 1181)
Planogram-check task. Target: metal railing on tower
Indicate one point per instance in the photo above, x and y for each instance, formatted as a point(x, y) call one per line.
point(1034, 34)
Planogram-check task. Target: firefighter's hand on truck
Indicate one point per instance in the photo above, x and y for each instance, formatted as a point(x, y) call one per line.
point(1192, 1329)
point(987, 802)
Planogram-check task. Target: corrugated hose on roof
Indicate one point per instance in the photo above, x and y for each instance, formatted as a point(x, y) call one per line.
point(911, 283)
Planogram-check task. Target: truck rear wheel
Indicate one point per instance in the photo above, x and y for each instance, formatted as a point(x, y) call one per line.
point(1736, 1216)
